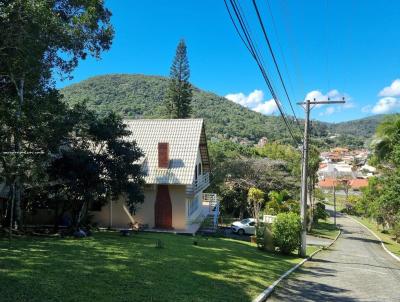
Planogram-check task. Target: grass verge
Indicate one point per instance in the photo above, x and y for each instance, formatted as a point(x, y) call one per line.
point(108, 267)
point(387, 239)
point(325, 229)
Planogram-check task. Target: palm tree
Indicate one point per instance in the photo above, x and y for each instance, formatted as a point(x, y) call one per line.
point(388, 134)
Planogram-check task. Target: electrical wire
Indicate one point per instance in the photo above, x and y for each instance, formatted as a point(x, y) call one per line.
point(274, 59)
point(247, 40)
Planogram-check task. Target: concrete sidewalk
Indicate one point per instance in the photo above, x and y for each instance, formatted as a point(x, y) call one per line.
point(355, 268)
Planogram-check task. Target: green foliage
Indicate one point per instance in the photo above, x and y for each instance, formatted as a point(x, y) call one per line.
point(234, 201)
point(387, 149)
point(319, 212)
point(362, 128)
point(141, 96)
point(281, 202)
point(179, 95)
point(221, 152)
point(37, 39)
point(255, 198)
point(264, 238)
point(279, 151)
point(286, 232)
point(368, 205)
point(380, 200)
point(97, 165)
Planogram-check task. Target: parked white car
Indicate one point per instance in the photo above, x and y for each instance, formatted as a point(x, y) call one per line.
point(245, 226)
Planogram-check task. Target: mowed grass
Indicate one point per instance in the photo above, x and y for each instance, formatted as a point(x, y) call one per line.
point(388, 239)
point(340, 201)
point(109, 267)
point(325, 228)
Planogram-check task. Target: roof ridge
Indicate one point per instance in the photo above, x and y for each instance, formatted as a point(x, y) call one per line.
point(163, 119)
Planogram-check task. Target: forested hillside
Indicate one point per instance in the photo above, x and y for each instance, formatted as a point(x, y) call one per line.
point(140, 96)
point(365, 127)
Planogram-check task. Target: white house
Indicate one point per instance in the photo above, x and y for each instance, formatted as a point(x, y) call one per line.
point(177, 170)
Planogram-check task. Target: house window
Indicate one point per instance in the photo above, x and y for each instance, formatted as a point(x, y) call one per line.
point(193, 205)
point(195, 172)
point(199, 169)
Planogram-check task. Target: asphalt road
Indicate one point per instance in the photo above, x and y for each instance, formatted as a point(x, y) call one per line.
point(355, 268)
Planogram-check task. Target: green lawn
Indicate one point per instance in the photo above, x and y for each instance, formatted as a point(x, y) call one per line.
point(340, 201)
point(325, 228)
point(108, 267)
point(387, 239)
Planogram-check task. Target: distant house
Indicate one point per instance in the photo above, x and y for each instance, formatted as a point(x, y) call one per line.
point(339, 170)
point(177, 171)
point(328, 183)
point(357, 184)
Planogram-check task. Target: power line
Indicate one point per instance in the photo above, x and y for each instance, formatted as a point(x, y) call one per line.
point(274, 59)
point(280, 46)
point(247, 40)
point(256, 56)
point(293, 46)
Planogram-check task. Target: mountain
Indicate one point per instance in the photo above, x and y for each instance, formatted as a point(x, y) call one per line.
point(364, 127)
point(141, 96)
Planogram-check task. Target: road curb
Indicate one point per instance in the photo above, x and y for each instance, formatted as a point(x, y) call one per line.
point(377, 237)
point(268, 291)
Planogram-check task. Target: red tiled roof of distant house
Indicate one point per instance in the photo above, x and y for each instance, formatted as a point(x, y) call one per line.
point(322, 165)
point(328, 183)
point(358, 183)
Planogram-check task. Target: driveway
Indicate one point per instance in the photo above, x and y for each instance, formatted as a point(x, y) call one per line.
point(355, 268)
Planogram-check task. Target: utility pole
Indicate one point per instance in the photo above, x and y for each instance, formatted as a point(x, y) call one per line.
point(334, 194)
point(334, 202)
point(304, 173)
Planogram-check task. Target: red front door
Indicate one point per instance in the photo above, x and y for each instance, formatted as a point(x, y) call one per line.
point(163, 208)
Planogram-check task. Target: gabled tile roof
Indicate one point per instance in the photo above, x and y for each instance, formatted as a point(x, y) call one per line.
point(184, 137)
point(358, 183)
point(328, 183)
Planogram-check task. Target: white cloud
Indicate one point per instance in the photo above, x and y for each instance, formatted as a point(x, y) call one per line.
point(254, 101)
point(386, 105)
point(392, 90)
point(332, 95)
point(330, 110)
point(268, 107)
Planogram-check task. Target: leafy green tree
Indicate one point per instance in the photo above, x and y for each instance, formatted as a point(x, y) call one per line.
point(387, 149)
point(179, 97)
point(96, 165)
point(255, 198)
point(389, 201)
point(319, 212)
point(234, 200)
point(37, 38)
point(281, 202)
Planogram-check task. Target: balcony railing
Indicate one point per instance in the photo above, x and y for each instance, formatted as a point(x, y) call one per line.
point(211, 199)
point(202, 182)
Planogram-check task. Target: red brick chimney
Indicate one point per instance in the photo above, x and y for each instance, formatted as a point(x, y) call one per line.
point(163, 155)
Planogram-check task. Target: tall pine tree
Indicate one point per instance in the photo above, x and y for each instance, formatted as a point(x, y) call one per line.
point(179, 96)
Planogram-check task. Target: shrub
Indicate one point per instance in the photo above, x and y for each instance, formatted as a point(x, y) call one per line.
point(286, 232)
point(264, 238)
point(320, 212)
point(396, 229)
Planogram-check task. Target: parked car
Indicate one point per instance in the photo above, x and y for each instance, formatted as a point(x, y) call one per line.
point(245, 226)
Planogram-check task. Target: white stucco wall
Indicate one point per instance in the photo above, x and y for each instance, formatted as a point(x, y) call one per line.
point(145, 212)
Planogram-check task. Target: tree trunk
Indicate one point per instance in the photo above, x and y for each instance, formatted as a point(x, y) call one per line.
point(19, 85)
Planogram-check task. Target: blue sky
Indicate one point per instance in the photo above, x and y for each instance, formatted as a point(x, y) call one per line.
point(337, 48)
